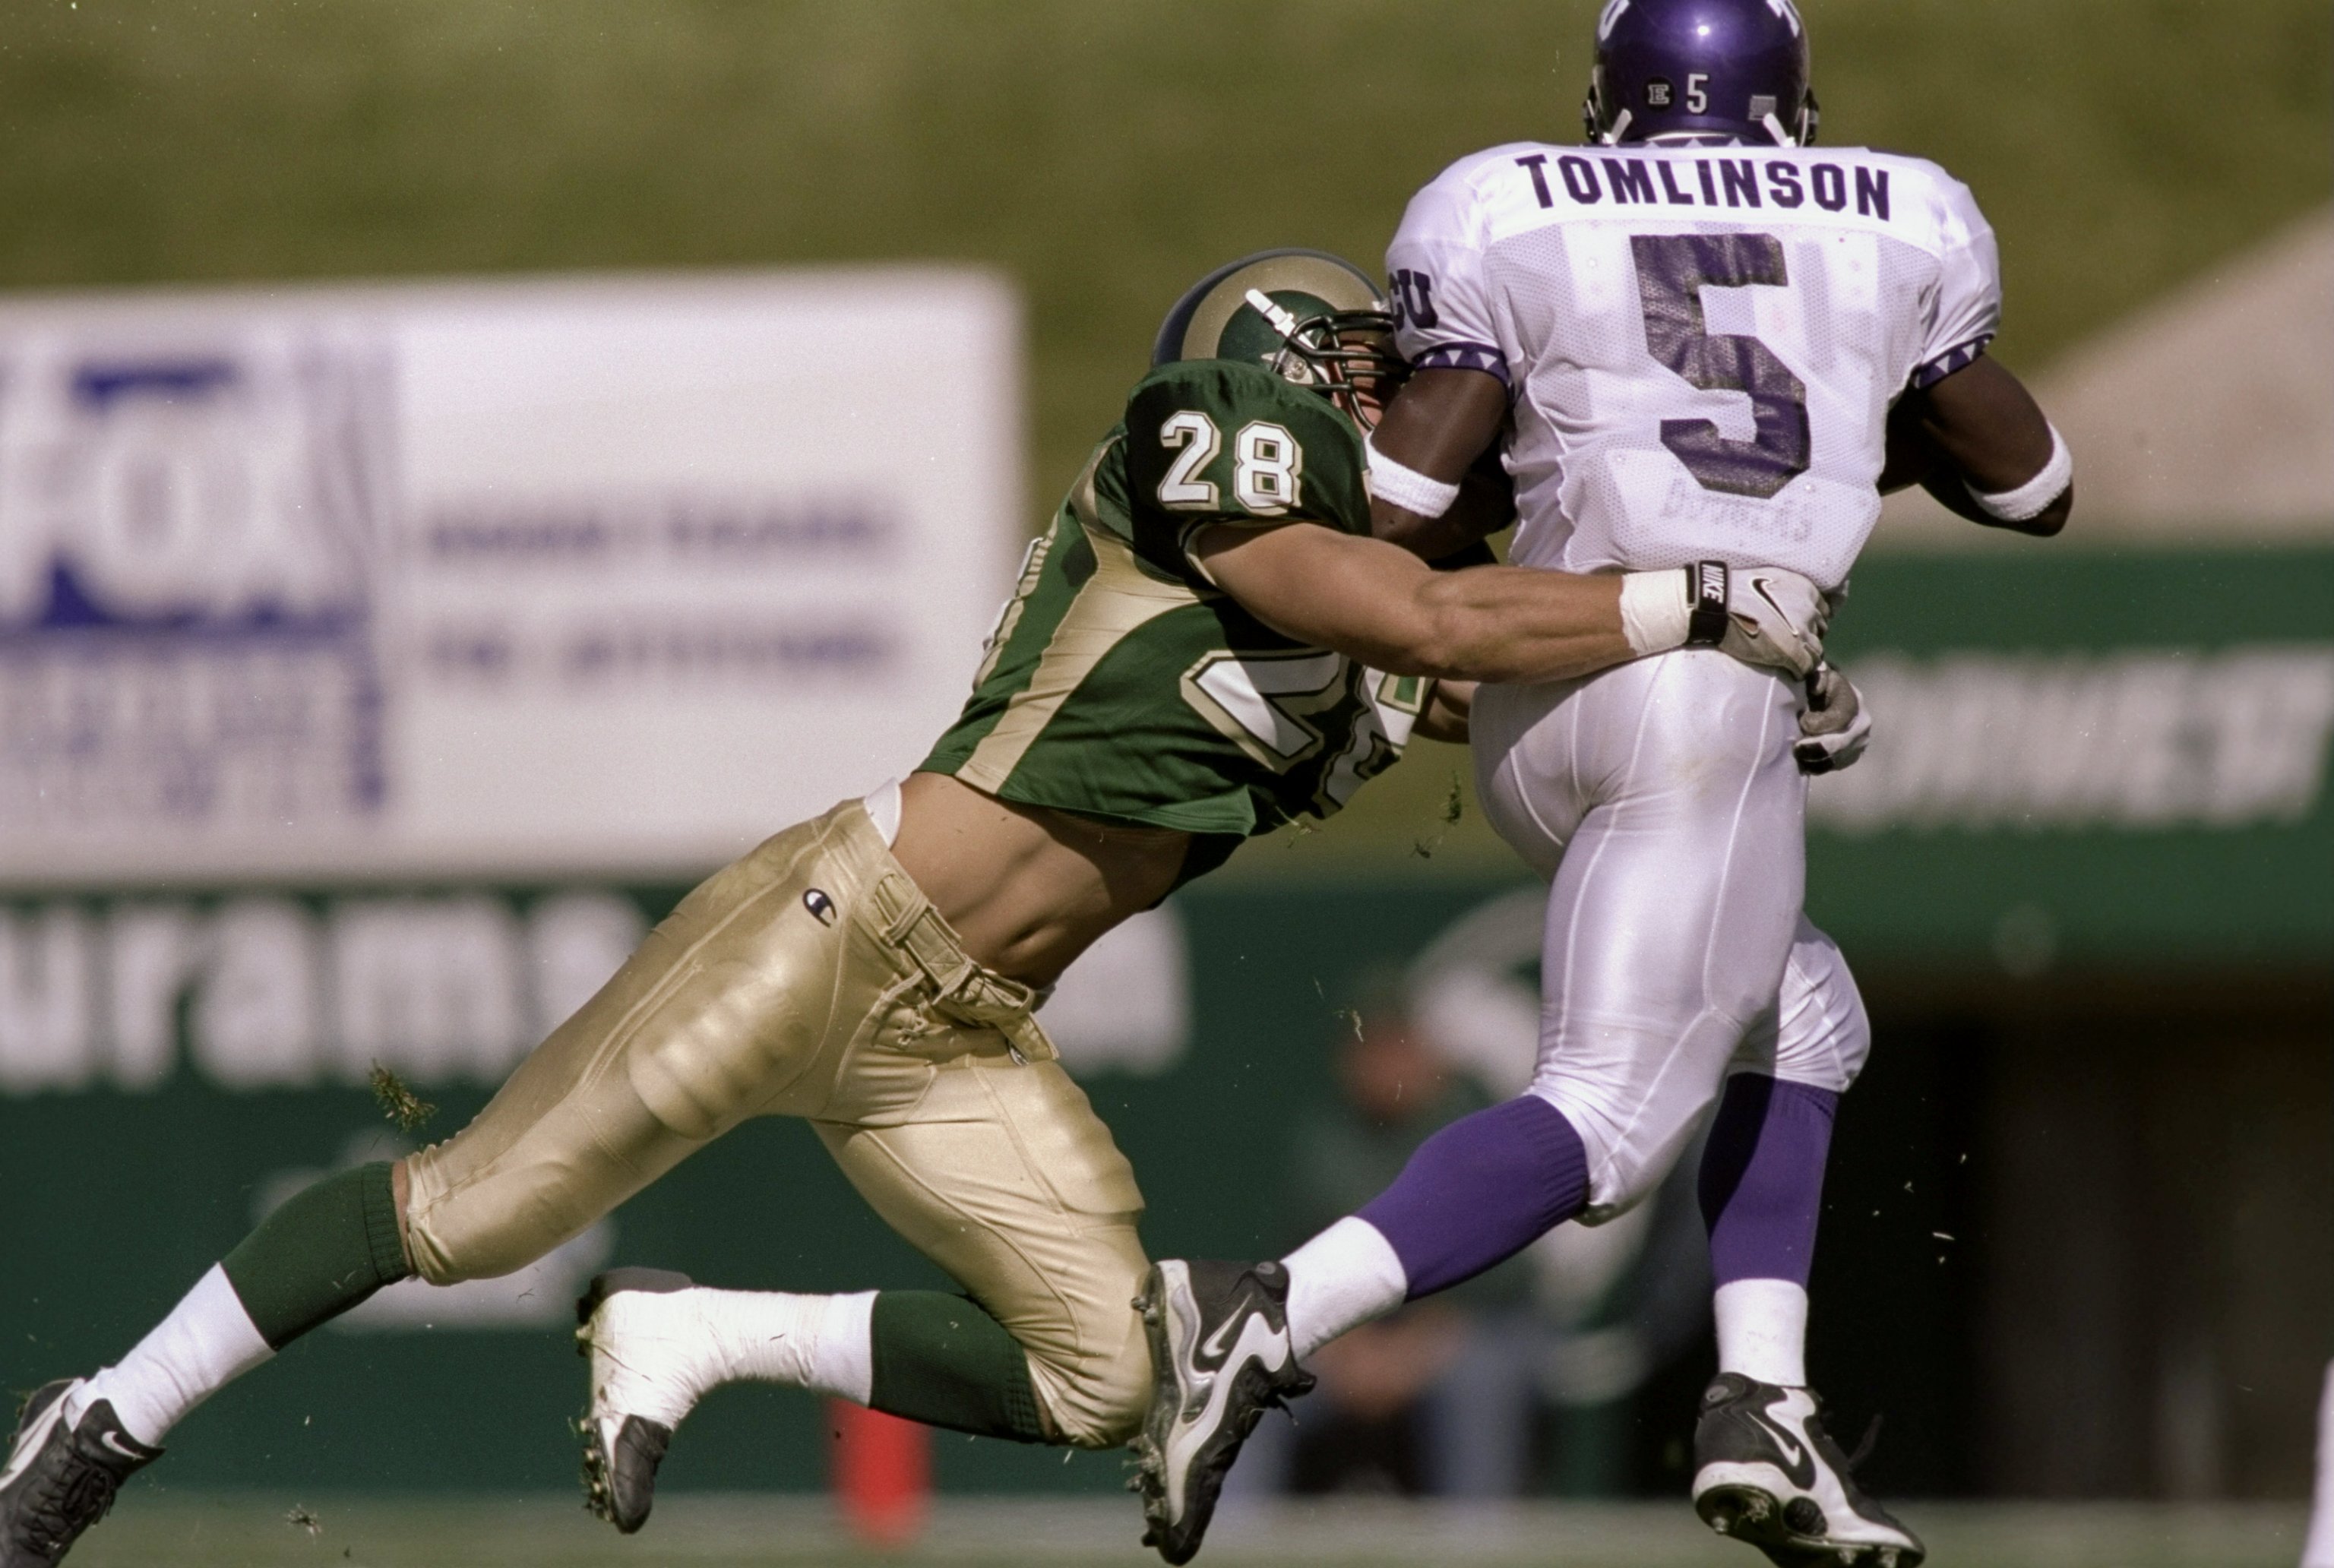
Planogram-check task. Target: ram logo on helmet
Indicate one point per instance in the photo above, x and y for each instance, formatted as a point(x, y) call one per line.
point(1312, 318)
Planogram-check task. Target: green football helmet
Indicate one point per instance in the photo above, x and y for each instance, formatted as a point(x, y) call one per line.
point(1306, 315)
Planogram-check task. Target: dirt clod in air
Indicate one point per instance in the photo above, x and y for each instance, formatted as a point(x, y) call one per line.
point(1454, 808)
point(408, 1110)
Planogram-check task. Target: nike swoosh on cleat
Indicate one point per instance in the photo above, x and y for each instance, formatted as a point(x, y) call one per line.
point(1798, 1465)
point(1226, 1382)
point(1271, 1341)
point(1215, 1346)
point(114, 1443)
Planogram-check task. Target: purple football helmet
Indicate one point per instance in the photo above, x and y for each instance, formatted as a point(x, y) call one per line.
point(1701, 70)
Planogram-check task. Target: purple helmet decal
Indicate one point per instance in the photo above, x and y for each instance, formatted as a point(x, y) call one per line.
point(1701, 70)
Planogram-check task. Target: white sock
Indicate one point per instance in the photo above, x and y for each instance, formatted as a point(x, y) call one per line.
point(206, 1343)
point(1339, 1280)
point(1762, 1331)
point(677, 1346)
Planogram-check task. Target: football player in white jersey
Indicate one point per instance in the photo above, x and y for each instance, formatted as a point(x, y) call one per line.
point(1696, 338)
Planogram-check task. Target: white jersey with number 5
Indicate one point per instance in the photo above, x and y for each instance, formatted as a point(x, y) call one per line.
point(1703, 343)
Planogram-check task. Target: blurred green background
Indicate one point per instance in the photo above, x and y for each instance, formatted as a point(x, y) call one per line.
point(1102, 153)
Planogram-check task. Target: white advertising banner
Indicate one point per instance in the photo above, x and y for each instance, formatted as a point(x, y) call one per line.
point(499, 578)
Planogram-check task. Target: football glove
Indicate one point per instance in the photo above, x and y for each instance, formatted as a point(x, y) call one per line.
point(1835, 727)
point(1762, 615)
point(1773, 617)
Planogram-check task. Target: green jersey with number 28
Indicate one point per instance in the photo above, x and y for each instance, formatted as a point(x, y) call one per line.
point(1120, 683)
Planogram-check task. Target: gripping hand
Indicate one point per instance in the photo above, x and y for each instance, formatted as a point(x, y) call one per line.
point(1762, 615)
point(1836, 726)
point(1774, 618)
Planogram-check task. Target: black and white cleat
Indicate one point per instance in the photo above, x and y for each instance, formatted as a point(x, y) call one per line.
point(1220, 1357)
point(1767, 1474)
point(62, 1478)
point(630, 1420)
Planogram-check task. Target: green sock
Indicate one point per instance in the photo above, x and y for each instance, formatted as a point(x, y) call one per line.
point(942, 1361)
point(323, 1252)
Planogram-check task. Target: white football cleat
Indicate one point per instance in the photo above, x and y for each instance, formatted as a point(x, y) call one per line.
point(638, 1347)
point(1767, 1473)
point(1219, 1358)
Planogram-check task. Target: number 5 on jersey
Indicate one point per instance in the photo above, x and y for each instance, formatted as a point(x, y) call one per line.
point(1267, 466)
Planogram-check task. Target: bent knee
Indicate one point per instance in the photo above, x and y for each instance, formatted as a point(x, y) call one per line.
point(441, 1258)
point(1824, 1043)
point(1822, 1035)
point(483, 1232)
point(1098, 1400)
point(1832, 1061)
point(1621, 1187)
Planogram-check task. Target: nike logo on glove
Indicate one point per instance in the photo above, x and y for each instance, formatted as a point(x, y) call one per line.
point(1758, 586)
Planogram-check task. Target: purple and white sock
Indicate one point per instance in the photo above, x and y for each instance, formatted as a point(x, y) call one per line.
point(1475, 1194)
point(1762, 1189)
point(1482, 1190)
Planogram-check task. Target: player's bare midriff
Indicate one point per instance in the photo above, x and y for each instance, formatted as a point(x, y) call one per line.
point(1027, 888)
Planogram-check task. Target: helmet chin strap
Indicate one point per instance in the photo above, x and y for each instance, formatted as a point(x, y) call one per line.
point(1775, 129)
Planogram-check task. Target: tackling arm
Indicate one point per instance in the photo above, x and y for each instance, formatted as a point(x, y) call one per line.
point(1381, 604)
point(1977, 441)
point(1377, 603)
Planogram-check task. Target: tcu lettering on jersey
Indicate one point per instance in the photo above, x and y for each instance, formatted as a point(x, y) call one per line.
point(1702, 342)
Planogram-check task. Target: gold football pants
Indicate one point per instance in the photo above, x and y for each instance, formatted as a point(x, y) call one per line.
point(813, 978)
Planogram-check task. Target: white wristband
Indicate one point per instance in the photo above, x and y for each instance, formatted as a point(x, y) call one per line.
point(2033, 499)
point(1656, 612)
point(1407, 488)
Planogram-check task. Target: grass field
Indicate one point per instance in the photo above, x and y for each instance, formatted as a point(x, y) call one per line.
point(252, 1531)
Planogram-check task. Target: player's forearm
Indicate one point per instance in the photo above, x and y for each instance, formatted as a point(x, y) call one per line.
point(1995, 443)
point(1380, 605)
point(1511, 624)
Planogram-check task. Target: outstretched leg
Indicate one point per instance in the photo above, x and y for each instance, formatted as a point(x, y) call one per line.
point(325, 1251)
point(79, 1439)
point(745, 1001)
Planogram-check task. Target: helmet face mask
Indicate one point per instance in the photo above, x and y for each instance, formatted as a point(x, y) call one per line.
point(1311, 318)
point(1348, 356)
point(1701, 70)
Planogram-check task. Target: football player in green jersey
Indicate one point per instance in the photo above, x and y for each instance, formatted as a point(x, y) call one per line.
point(1206, 644)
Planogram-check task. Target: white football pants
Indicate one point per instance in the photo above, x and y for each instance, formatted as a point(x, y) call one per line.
point(1661, 798)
